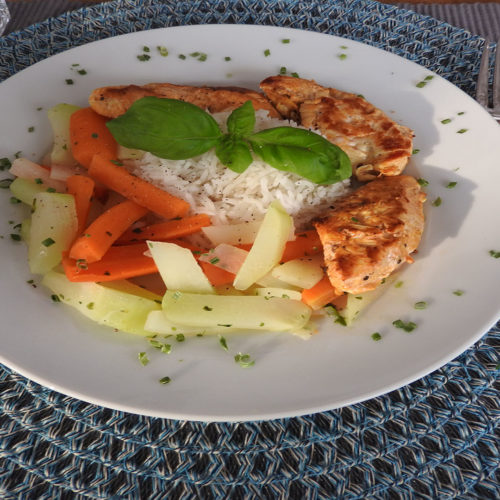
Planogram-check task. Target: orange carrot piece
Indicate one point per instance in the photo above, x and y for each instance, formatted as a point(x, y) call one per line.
point(105, 230)
point(321, 294)
point(305, 244)
point(82, 188)
point(136, 189)
point(216, 275)
point(123, 262)
point(90, 136)
point(176, 228)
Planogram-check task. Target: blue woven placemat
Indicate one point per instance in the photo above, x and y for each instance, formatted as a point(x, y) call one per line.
point(435, 438)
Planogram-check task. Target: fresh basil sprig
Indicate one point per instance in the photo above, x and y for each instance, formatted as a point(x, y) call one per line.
point(178, 130)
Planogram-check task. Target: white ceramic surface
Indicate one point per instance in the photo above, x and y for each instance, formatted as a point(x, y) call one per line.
point(52, 345)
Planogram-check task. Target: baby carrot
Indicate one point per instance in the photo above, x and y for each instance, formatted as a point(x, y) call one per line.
point(82, 188)
point(90, 136)
point(136, 189)
point(105, 230)
point(168, 230)
point(123, 262)
point(321, 294)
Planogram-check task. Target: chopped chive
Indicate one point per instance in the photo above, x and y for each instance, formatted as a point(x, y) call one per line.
point(415, 151)
point(181, 56)
point(421, 84)
point(143, 57)
point(207, 308)
point(227, 58)
point(451, 185)
point(429, 77)
point(462, 131)
point(146, 49)
point(90, 305)
point(285, 40)
point(267, 52)
point(407, 327)
point(399, 284)
point(69, 81)
point(38, 181)
point(223, 342)
point(495, 254)
point(420, 305)
point(82, 72)
point(283, 70)
point(143, 358)
point(180, 337)
point(423, 182)
point(55, 298)
point(214, 260)
point(446, 121)
point(5, 163)
point(162, 50)
point(31, 129)
point(244, 360)
point(15, 237)
point(342, 56)
point(165, 380)
point(458, 293)
point(437, 202)
point(47, 242)
point(376, 336)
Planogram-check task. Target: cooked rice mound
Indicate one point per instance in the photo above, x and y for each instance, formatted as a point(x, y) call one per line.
point(228, 197)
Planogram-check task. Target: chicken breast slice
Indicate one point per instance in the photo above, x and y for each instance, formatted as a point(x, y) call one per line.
point(113, 101)
point(375, 144)
point(372, 231)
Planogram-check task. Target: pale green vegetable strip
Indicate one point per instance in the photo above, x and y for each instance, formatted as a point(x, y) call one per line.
point(267, 248)
point(26, 190)
point(178, 268)
point(53, 228)
point(303, 273)
point(244, 311)
point(106, 306)
point(59, 117)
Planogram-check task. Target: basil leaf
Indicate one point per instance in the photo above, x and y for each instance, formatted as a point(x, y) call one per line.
point(168, 128)
point(234, 153)
point(302, 152)
point(241, 121)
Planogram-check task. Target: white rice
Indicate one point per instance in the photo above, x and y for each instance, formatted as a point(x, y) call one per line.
point(227, 197)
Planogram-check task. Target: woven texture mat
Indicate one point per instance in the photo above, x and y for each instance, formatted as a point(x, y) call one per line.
point(435, 438)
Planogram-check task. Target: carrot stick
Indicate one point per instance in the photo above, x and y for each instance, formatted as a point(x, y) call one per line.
point(105, 230)
point(305, 244)
point(133, 188)
point(168, 230)
point(82, 188)
point(123, 262)
point(216, 275)
point(90, 136)
point(321, 294)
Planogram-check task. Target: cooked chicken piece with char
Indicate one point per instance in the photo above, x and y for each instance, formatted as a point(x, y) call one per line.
point(114, 101)
point(370, 232)
point(375, 144)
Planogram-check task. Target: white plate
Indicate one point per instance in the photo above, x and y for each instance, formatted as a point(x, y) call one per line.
point(52, 345)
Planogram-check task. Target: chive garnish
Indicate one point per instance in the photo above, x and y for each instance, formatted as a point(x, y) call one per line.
point(165, 380)
point(407, 327)
point(47, 242)
point(267, 52)
point(244, 360)
point(495, 254)
point(180, 337)
point(437, 202)
point(15, 237)
point(451, 185)
point(458, 293)
point(420, 305)
point(423, 182)
point(462, 131)
point(143, 358)
point(143, 57)
point(55, 298)
point(223, 342)
point(376, 336)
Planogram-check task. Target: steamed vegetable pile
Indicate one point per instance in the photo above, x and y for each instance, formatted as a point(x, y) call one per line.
point(95, 228)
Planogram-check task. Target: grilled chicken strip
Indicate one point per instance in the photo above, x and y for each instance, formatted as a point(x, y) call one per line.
point(371, 232)
point(375, 144)
point(114, 101)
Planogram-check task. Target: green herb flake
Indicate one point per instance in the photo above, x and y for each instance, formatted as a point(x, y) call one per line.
point(143, 358)
point(334, 313)
point(165, 380)
point(51, 190)
point(182, 57)
point(376, 336)
point(38, 181)
point(342, 56)
point(420, 305)
point(144, 57)
point(90, 305)
point(428, 78)
point(267, 53)
point(55, 298)
point(47, 242)
point(423, 182)
point(399, 284)
point(462, 131)
point(5, 163)
point(407, 327)
point(227, 58)
point(244, 360)
point(460, 113)
point(451, 185)
point(437, 202)
point(214, 260)
point(163, 51)
point(495, 254)
point(458, 293)
point(69, 81)
point(223, 342)
point(94, 135)
point(82, 72)
point(180, 337)
point(31, 129)
point(446, 121)
point(283, 70)
point(420, 85)
point(207, 308)
point(15, 237)
point(285, 40)
point(415, 151)
point(146, 49)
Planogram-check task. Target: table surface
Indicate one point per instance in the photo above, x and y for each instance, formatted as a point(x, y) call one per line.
point(436, 438)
